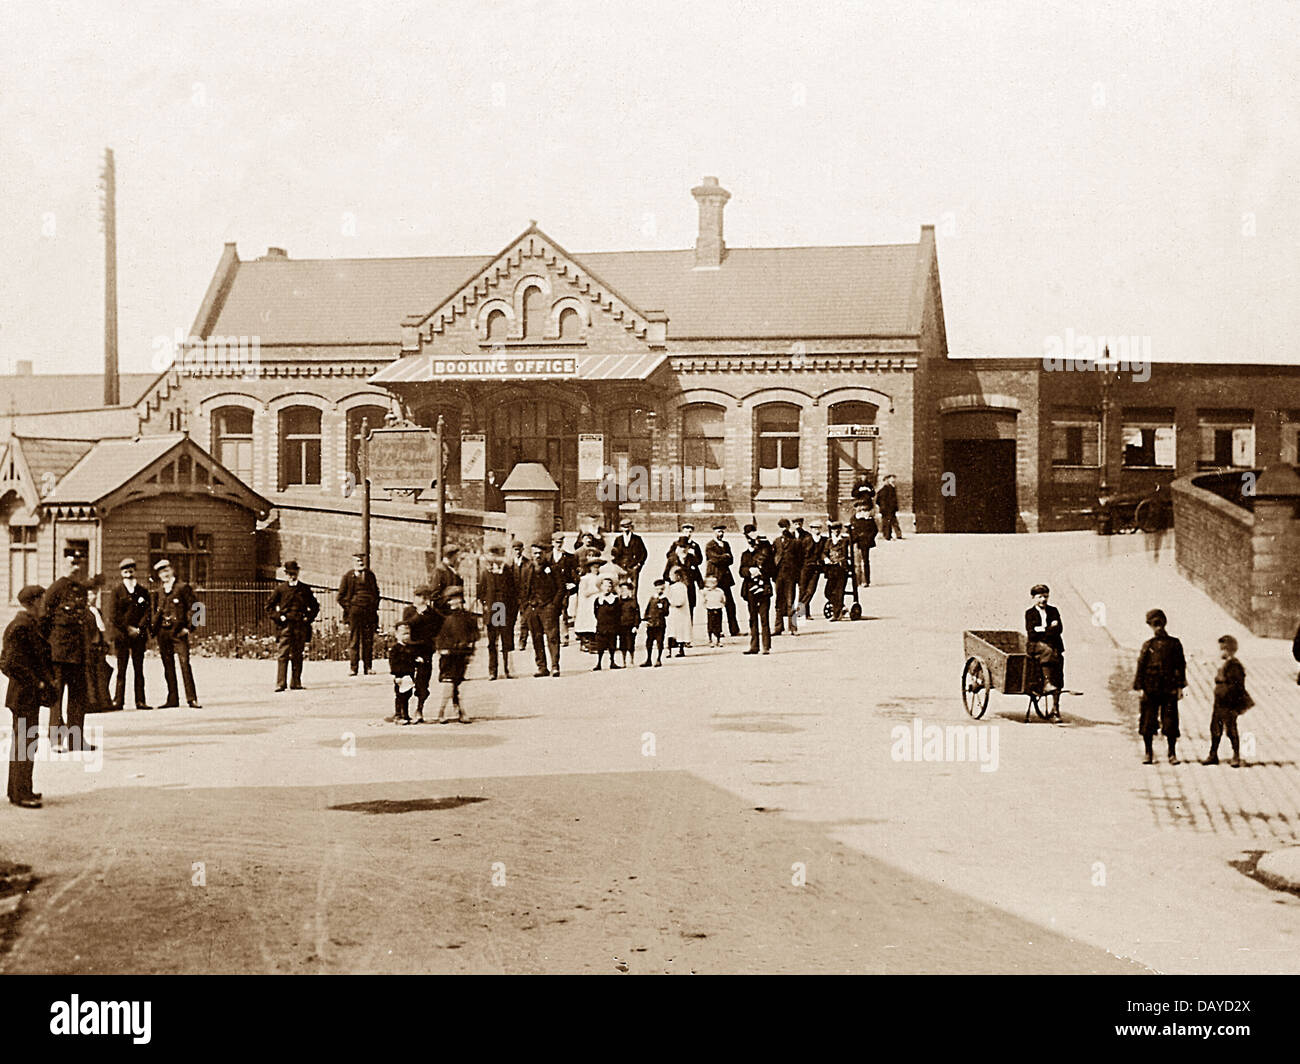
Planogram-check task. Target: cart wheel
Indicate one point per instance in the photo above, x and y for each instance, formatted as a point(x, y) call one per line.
point(828, 611)
point(1148, 516)
point(975, 683)
point(855, 612)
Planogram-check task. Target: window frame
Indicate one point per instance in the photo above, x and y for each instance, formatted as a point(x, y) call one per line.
point(298, 444)
point(1077, 423)
point(787, 478)
point(190, 553)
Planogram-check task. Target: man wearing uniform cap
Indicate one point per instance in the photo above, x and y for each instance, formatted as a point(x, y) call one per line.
point(788, 557)
point(130, 617)
point(173, 619)
point(359, 600)
point(24, 659)
point(756, 572)
point(539, 602)
point(718, 563)
point(292, 607)
point(65, 617)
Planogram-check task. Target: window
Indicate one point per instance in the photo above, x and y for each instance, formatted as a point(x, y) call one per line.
point(496, 326)
point(534, 312)
point(22, 558)
point(630, 440)
point(1148, 438)
point(535, 431)
point(300, 447)
point(1227, 439)
point(778, 445)
point(570, 324)
point(190, 552)
point(1076, 443)
point(373, 416)
point(1291, 437)
point(704, 444)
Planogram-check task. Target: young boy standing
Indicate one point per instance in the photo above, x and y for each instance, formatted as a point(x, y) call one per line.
point(1231, 699)
point(656, 622)
point(715, 601)
point(403, 660)
point(455, 643)
point(629, 618)
point(1161, 677)
point(608, 608)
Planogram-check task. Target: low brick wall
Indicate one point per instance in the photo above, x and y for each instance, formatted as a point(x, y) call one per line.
point(1213, 547)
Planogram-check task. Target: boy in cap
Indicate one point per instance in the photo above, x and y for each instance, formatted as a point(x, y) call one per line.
point(455, 644)
point(629, 619)
point(1231, 699)
point(128, 626)
point(292, 607)
point(1161, 677)
point(498, 599)
point(656, 623)
point(403, 660)
point(1044, 644)
point(25, 660)
point(359, 601)
point(424, 622)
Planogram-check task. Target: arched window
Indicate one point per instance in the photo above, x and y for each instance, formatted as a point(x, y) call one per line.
point(373, 416)
point(300, 447)
point(534, 312)
point(232, 440)
point(496, 326)
point(778, 445)
point(570, 324)
point(630, 440)
point(704, 444)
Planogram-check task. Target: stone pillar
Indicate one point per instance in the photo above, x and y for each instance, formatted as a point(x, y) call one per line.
point(1275, 547)
point(531, 496)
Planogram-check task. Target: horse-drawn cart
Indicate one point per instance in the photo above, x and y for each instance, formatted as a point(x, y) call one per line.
point(997, 660)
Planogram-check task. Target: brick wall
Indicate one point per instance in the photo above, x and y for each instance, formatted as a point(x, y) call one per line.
point(1213, 547)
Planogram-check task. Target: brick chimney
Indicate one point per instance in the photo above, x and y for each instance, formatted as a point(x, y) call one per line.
point(710, 249)
point(275, 253)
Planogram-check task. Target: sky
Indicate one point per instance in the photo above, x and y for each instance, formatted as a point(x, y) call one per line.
point(1091, 168)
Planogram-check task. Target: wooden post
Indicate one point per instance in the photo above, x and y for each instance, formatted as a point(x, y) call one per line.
point(112, 394)
point(363, 468)
point(441, 538)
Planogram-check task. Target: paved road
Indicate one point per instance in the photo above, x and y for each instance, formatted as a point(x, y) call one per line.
point(658, 819)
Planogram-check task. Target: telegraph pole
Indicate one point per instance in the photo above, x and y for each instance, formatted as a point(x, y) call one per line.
point(112, 390)
point(441, 492)
point(363, 470)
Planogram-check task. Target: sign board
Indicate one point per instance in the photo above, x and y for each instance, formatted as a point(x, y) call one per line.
point(402, 459)
point(473, 456)
point(492, 367)
point(591, 455)
point(839, 432)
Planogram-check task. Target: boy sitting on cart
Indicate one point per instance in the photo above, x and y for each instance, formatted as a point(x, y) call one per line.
point(1045, 646)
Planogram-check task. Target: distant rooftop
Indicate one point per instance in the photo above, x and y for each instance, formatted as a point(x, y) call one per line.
point(42, 393)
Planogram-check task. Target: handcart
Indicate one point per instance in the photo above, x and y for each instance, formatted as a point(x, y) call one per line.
point(998, 660)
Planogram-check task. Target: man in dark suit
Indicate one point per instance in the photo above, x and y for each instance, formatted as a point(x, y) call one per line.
point(565, 567)
point(359, 600)
point(293, 608)
point(757, 568)
point(539, 603)
point(801, 534)
point(628, 553)
point(835, 566)
point(862, 534)
point(499, 599)
point(788, 559)
point(173, 620)
point(718, 563)
point(1044, 644)
point(812, 567)
point(887, 503)
point(24, 659)
point(516, 564)
point(65, 619)
point(130, 615)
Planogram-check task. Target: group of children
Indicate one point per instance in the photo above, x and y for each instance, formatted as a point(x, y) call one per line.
point(446, 629)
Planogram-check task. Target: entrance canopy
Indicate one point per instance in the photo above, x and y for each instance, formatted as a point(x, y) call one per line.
point(520, 367)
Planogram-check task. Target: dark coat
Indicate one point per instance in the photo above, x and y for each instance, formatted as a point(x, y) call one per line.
point(499, 597)
point(443, 578)
point(788, 555)
point(402, 658)
point(656, 612)
point(887, 499)
point(609, 614)
point(630, 613)
point(458, 634)
point(1161, 667)
point(835, 552)
point(294, 604)
point(359, 596)
point(863, 531)
point(65, 616)
point(128, 609)
point(25, 660)
point(424, 625)
point(758, 557)
point(1052, 636)
point(1230, 687)
point(174, 613)
point(719, 561)
point(812, 556)
point(565, 569)
point(540, 589)
point(691, 566)
point(631, 555)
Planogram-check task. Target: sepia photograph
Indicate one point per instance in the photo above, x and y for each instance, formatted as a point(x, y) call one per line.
point(364, 365)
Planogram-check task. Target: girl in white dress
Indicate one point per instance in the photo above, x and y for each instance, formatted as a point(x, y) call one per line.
point(679, 613)
point(584, 618)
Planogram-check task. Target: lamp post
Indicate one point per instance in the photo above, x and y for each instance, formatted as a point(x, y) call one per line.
point(440, 461)
point(1103, 488)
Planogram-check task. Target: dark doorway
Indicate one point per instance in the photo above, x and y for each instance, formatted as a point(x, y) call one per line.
point(979, 485)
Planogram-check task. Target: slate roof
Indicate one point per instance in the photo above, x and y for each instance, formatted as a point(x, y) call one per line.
point(756, 292)
point(39, 393)
point(53, 456)
point(107, 466)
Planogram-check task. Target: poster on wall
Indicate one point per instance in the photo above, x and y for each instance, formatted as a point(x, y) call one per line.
point(473, 456)
point(591, 455)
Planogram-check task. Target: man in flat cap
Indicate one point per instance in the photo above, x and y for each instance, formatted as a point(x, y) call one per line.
point(24, 659)
point(835, 565)
point(65, 617)
point(359, 600)
point(718, 563)
point(788, 556)
point(628, 552)
point(540, 595)
point(173, 622)
point(1161, 677)
point(130, 616)
point(293, 608)
point(1044, 644)
point(757, 568)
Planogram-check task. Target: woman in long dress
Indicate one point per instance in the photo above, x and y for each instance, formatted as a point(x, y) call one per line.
point(679, 613)
point(584, 617)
